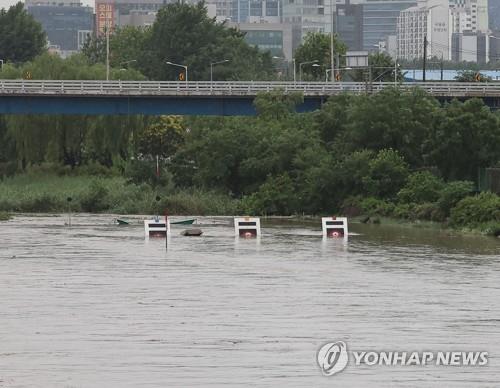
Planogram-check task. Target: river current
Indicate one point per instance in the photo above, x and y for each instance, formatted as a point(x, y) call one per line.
point(98, 305)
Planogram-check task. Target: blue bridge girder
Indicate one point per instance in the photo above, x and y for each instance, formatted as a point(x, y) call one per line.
point(196, 98)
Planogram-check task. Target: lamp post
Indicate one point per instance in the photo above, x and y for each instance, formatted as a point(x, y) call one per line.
point(305, 63)
point(212, 68)
point(279, 65)
point(294, 71)
point(326, 74)
point(340, 69)
point(178, 65)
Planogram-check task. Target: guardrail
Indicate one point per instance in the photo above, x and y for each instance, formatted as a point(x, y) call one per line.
point(236, 88)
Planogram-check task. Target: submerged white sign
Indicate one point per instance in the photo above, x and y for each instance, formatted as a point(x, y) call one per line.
point(333, 357)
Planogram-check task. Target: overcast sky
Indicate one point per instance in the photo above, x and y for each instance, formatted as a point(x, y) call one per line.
point(8, 3)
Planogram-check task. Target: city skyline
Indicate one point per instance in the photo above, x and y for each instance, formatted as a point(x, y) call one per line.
point(8, 3)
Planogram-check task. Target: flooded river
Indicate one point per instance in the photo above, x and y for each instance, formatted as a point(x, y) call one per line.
point(97, 305)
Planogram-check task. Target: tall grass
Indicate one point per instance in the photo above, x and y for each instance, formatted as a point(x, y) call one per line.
point(50, 193)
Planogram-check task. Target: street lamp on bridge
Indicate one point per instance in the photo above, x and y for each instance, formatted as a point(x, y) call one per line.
point(212, 64)
point(305, 63)
point(178, 65)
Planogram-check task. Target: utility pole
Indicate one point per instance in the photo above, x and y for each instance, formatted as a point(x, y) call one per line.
point(424, 62)
point(395, 72)
point(442, 66)
point(332, 62)
point(107, 53)
point(294, 71)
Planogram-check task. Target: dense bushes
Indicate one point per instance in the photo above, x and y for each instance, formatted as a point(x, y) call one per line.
point(473, 211)
point(423, 197)
point(421, 187)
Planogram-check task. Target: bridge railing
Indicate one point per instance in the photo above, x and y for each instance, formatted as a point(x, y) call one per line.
point(233, 88)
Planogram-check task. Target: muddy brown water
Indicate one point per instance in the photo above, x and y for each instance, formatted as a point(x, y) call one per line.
point(98, 305)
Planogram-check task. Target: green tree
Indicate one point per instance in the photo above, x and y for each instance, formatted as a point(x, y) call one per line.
point(238, 154)
point(463, 137)
point(277, 104)
point(163, 137)
point(393, 118)
point(333, 117)
point(421, 187)
point(316, 48)
point(126, 46)
point(387, 174)
point(184, 34)
point(21, 37)
point(7, 151)
point(277, 195)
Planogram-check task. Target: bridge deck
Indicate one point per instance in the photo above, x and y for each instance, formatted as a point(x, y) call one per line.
point(228, 89)
point(195, 98)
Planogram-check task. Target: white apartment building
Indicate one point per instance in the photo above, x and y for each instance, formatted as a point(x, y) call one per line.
point(469, 15)
point(411, 29)
point(429, 19)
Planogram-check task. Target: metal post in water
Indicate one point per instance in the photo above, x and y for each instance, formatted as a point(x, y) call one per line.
point(69, 199)
point(166, 230)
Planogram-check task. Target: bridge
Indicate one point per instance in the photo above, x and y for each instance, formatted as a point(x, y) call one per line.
point(197, 98)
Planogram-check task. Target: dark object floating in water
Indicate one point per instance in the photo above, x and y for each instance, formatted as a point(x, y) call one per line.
point(122, 222)
point(183, 222)
point(191, 232)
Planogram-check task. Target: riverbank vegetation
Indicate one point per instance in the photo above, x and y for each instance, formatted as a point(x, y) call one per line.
point(396, 154)
point(4, 216)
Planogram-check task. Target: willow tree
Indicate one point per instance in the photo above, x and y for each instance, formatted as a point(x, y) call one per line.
point(21, 37)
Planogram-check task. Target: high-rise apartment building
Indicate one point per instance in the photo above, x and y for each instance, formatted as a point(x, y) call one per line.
point(494, 14)
point(349, 25)
point(273, 37)
point(112, 13)
point(380, 20)
point(469, 15)
point(470, 47)
point(256, 11)
point(62, 22)
point(305, 16)
point(428, 21)
point(118, 13)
